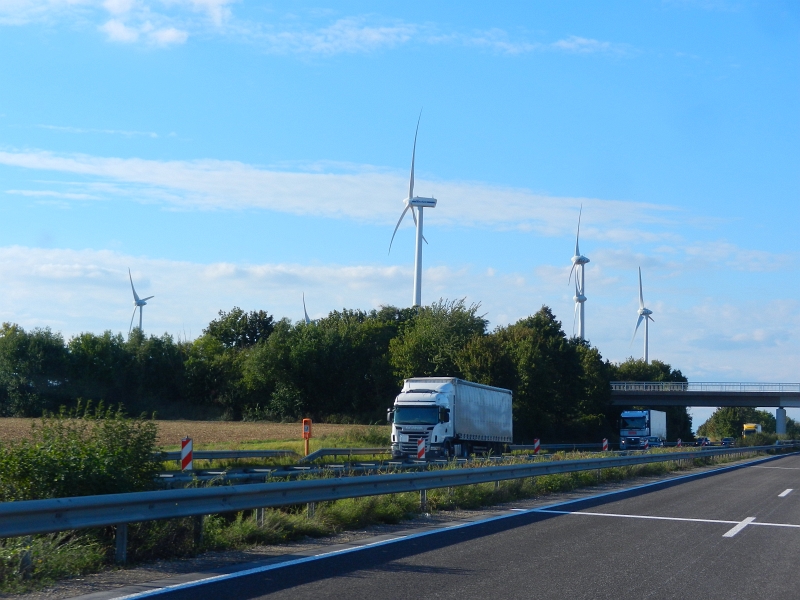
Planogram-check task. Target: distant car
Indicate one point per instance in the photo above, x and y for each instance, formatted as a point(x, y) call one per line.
point(702, 441)
point(728, 441)
point(655, 442)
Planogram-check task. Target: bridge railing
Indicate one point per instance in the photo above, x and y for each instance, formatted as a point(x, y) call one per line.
point(710, 386)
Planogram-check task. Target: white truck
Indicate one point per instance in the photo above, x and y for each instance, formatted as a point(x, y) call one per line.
point(451, 416)
point(636, 426)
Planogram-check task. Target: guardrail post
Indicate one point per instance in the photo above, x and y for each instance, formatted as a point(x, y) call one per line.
point(312, 509)
point(198, 529)
point(423, 500)
point(25, 560)
point(260, 517)
point(121, 540)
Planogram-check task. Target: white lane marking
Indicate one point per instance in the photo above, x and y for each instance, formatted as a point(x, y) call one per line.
point(739, 527)
point(740, 524)
point(781, 468)
point(652, 517)
point(785, 493)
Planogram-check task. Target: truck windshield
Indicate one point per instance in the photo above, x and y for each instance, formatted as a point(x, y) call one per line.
point(634, 423)
point(416, 415)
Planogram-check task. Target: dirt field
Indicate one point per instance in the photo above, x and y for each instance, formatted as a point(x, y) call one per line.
point(204, 433)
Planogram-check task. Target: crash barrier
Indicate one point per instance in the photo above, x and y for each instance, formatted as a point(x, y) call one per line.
point(224, 454)
point(344, 452)
point(31, 517)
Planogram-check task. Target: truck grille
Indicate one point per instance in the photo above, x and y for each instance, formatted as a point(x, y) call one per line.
point(410, 446)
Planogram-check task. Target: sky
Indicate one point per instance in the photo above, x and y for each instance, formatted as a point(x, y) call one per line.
point(235, 153)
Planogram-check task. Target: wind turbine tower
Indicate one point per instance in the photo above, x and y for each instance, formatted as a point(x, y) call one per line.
point(416, 204)
point(579, 261)
point(137, 303)
point(644, 315)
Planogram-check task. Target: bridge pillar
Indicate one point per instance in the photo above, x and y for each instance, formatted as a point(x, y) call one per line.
point(780, 421)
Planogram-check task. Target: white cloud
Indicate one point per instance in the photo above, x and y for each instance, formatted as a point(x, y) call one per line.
point(170, 35)
point(348, 35)
point(117, 31)
point(583, 45)
point(230, 185)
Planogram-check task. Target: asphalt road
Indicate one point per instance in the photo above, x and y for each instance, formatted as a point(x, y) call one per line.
point(732, 535)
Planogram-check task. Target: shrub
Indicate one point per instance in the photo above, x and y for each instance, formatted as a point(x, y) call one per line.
point(79, 453)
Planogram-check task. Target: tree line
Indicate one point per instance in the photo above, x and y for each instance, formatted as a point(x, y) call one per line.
point(346, 367)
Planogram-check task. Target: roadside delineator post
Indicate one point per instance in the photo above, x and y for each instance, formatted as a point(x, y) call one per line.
point(306, 433)
point(536, 446)
point(678, 445)
point(605, 445)
point(186, 454)
point(421, 449)
point(646, 444)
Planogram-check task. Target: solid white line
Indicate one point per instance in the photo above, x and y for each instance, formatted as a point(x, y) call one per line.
point(657, 518)
point(785, 493)
point(739, 527)
point(652, 517)
point(781, 468)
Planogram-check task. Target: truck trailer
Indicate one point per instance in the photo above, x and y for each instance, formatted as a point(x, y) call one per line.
point(451, 416)
point(638, 425)
point(751, 429)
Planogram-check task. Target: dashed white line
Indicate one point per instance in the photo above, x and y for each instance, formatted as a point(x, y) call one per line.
point(732, 532)
point(785, 493)
point(781, 468)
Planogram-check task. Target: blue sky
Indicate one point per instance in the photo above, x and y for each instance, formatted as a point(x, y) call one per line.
point(244, 153)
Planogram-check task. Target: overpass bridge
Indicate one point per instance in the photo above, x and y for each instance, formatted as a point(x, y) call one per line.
point(669, 393)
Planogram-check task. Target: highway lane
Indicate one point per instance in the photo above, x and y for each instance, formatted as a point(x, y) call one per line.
point(661, 542)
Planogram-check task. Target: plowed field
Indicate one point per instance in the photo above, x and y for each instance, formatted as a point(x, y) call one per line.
point(228, 434)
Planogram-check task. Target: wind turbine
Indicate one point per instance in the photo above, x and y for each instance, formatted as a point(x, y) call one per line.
point(305, 312)
point(578, 261)
point(644, 315)
point(415, 202)
point(137, 303)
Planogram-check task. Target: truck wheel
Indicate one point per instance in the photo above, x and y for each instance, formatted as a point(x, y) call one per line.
point(448, 450)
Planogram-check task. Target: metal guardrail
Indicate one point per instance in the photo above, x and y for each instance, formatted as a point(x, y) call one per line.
point(595, 446)
point(60, 514)
point(677, 386)
point(225, 454)
point(344, 452)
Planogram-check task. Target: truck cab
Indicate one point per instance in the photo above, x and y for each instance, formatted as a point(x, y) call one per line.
point(421, 414)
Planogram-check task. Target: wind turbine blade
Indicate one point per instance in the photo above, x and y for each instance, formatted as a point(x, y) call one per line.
point(130, 328)
point(413, 156)
point(641, 298)
point(639, 322)
point(402, 214)
point(414, 215)
point(148, 298)
point(305, 312)
point(651, 318)
point(578, 235)
point(570, 274)
point(135, 296)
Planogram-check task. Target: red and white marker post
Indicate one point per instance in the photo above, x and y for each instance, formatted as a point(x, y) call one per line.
point(421, 449)
point(536, 446)
point(647, 444)
point(306, 434)
point(605, 445)
point(186, 454)
point(678, 445)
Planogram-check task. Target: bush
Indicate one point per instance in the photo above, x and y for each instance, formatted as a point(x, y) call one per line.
point(80, 453)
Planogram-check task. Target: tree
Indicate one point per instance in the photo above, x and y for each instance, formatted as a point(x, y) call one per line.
point(430, 343)
point(238, 329)
point(729, 422)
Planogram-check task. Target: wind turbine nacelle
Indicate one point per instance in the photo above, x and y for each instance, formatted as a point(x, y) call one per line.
point(423, 202)
point(579, 260)
point(580, 298)
point(645, 312)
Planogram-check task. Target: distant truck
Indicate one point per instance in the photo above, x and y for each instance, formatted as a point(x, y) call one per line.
point(451, 416)
point(750, 429)
point(637, 425)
